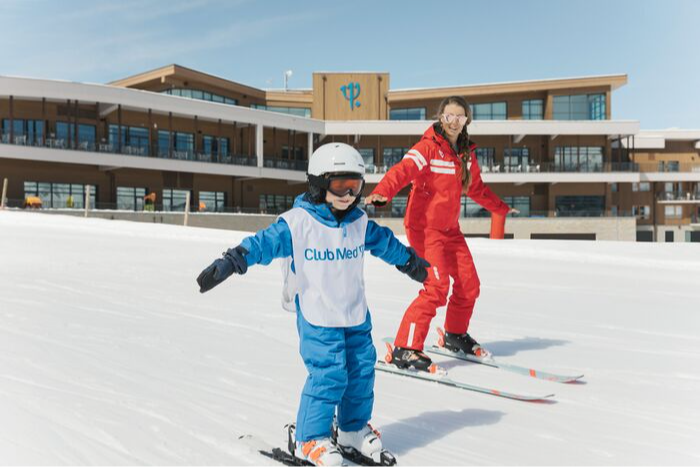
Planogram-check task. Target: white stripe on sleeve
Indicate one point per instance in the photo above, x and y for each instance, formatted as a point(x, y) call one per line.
point(417, 153)
point(416, 160)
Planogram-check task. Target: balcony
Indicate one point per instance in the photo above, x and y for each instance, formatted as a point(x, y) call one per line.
point(286, 164)
point(669, 167)
point(679, 197)
point(126, 150)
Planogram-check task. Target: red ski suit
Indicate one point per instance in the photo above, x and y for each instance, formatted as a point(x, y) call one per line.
point(432, 228)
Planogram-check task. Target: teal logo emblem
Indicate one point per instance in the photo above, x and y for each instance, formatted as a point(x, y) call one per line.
point(351, 92)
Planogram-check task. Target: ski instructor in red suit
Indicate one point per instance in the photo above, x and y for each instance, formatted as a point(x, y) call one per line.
point(441, 166)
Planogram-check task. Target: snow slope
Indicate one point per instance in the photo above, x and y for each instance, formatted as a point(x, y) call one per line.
point(109, 355)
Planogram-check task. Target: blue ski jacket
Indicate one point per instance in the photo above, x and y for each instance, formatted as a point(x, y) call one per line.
point(275, 241)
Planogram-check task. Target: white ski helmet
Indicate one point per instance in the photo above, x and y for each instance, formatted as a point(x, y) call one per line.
point(334, 158)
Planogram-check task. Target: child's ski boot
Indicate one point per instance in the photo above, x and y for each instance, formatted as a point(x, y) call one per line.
point(314, 452)
point(363, 447)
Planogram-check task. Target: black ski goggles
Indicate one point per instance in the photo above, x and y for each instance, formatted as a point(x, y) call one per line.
point(340, 185)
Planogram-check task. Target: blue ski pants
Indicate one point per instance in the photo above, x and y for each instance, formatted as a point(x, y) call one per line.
point(340, 362)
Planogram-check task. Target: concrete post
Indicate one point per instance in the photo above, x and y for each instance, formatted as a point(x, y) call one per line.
point(187, 208)
point(3, 200)
point(87, 199)
point(259, 144)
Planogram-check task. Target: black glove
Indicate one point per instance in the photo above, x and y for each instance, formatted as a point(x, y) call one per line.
point(415, 267)
point(232, 262)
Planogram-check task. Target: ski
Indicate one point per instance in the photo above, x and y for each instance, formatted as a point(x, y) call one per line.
point(493, 363)
point(279, 455)
point(354, 456)
point(444, 380)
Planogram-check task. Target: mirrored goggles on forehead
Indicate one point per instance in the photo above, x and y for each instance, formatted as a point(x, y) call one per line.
point(449, 118)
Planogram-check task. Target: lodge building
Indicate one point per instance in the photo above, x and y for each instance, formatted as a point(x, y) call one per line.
point(547, 147)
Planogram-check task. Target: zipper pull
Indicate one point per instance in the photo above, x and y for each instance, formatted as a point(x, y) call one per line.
point(345, 231)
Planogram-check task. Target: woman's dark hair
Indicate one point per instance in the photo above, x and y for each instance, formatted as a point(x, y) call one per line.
point(463, 142)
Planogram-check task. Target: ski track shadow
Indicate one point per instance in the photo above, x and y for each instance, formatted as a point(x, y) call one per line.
point(510, 348)
point(423, 429)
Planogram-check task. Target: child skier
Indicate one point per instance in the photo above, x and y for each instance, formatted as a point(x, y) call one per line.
point(326, 235)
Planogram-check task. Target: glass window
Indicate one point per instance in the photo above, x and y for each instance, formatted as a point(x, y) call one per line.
point(471, 208)
point(489, 111)
point(673, 212)
point(516, 159)
point(641, 186)
point(130, 199)
point(416, 113)
point(672, 166)
point(533, 109)
point(297, 111)
point(641, 212)
point(275, 203)
point(368, 157)
point(209, 145)
point(398, 206)
point(212, 201)
point(60, 195)
point(174, 200)
point(199, 94)
point(580, 206)
point(65, 132)
point(183, 145)
point(213, 146)
point(24, 131)
point(486, 158)
point(17, 127)
point(224, 146)
point(521, 203)
point(392, 156)
point(579, 107)
point(163, 143)
point(86, 137)
point(578, 159)
point(295, 153)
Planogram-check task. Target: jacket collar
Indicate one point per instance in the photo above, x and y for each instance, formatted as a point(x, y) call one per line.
point(322, 212)
point(431, 135)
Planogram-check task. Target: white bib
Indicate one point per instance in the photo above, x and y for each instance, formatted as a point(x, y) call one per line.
point(329, 265)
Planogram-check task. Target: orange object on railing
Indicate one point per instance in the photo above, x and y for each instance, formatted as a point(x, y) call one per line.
point(498, 226)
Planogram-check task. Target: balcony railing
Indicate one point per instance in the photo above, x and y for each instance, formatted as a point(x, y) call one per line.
point(669, 167)
point(544, 167)
point(128, 150)
point(287, 164)
point(396, 212)
point(679, 196)
point(587, 213)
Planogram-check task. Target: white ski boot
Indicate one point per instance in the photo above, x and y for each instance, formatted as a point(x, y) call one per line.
point(316, 452)
point(363, 446)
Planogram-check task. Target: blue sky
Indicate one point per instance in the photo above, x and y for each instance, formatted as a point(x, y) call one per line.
point(422, 44)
